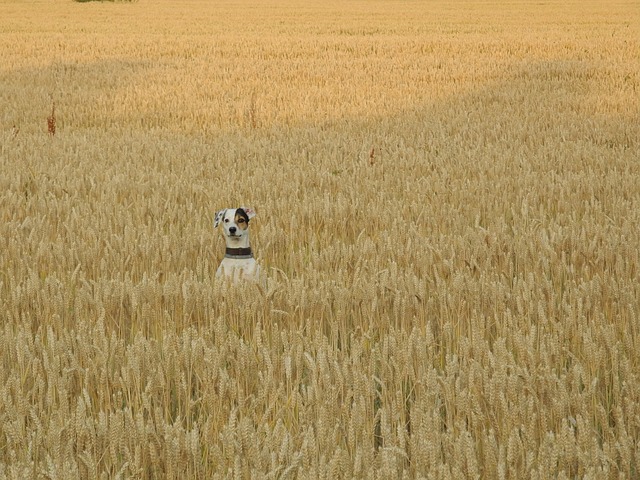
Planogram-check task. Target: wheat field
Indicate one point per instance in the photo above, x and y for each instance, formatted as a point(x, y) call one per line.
point(448, 212)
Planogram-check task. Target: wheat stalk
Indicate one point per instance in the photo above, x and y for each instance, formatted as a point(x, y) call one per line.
point(51, 120)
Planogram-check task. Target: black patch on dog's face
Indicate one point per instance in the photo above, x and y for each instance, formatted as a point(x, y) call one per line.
point(242, 219)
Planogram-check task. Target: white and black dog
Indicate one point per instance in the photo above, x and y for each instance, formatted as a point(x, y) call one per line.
point(238, 259)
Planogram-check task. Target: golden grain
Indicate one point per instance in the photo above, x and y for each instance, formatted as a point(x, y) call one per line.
point(447, 201)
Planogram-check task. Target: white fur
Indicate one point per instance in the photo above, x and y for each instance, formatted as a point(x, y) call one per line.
point(236, 237)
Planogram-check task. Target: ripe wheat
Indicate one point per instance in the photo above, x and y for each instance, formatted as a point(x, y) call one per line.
point(448, 203)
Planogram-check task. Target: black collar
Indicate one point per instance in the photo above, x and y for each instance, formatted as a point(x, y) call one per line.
point(238, 253)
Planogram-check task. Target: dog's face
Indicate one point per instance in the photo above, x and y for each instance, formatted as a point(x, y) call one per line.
point(235, 222)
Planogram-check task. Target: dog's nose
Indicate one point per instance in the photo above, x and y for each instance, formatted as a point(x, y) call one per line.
point(232, 230)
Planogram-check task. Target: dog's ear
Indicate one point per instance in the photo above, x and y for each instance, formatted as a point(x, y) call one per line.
point(249, 211)
point(219, 217)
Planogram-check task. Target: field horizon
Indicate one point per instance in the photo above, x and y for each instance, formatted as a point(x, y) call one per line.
point(448, 213)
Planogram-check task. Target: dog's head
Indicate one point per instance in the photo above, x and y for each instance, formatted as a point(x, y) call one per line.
point(235, 222)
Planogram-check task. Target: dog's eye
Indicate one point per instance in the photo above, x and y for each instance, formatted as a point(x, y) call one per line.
point(226, 220)
point(241, 220)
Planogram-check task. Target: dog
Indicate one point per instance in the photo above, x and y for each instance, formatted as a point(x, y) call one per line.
point(238, 262)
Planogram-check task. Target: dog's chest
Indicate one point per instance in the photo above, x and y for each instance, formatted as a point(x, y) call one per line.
point(238, 268)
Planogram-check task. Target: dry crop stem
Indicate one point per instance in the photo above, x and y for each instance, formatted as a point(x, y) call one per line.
point(51, 121)
point(448, 203)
